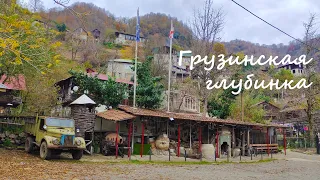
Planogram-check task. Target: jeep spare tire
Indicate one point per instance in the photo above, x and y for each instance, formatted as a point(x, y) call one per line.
point(45, 153)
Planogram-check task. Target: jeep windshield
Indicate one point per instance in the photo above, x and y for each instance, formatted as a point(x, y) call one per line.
point(56, 122)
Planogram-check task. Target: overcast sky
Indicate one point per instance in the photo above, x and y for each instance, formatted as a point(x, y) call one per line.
point(287, 15)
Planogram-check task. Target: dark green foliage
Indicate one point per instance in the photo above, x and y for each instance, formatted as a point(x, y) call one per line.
point(61, 27)
point(149, 89)
point(13, 129)
point(220, 105)
point(111, 45)
point(108, 92)
point(7, 143)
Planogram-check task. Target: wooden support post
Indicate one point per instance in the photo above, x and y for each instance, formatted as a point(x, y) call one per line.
point(217, 143)
point(142, 139)
point(233, 143)
point(267, 139)
point(200, 139)
point(190, 136)
point(284, 141)
point(208, 135)
point(117, 132)
point(243, 142)
point(129, 138)
point(132, 140)
point(168, 128)
point(178, 150)
point(248, 138)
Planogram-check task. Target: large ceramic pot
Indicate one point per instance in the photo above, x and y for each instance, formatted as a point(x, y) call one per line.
point(162, 142)
point(208, 151)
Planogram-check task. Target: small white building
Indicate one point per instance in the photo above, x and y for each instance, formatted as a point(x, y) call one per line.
point(121, 69)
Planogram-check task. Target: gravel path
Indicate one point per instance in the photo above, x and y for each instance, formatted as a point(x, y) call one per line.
point(19, 165)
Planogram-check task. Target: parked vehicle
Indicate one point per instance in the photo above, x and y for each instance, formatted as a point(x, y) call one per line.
point(108, 145)
point(53, 136)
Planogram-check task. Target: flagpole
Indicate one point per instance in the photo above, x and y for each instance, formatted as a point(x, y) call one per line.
point(170, 61)
point(135, 66)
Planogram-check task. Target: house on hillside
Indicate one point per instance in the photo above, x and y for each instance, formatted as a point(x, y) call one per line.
point(181, 101)
point(272, 112)
point(126, 39)
point(297, 70)
point(161, 60)
point(121, 69)
point(9, 87)
point(68, 88)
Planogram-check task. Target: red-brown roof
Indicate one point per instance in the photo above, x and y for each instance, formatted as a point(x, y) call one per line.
point(115, 115)
point(104, 77)
point(185, 116)
point(14, 83)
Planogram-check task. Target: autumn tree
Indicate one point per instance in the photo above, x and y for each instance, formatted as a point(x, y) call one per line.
point(283, 75)
point(206, 25)
point(24, 43)
point(246, 107)
point(312, 94)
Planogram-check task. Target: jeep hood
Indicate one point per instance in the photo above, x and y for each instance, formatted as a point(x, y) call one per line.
point(65, 131)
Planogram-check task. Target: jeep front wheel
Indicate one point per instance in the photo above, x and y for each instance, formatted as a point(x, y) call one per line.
point(28, 146)
point(77, 154)
point(45, 153)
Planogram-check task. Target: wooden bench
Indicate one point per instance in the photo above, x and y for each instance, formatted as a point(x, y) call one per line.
point(259, 148)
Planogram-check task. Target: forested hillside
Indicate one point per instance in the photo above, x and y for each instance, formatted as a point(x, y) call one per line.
point(155, 27)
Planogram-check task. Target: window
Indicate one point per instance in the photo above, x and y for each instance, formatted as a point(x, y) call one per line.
point(41, 124)
point(55, 122)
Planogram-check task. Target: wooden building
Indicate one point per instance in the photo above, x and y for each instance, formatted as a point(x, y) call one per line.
point(139, 126)
point(9, 86)
point(272, 112)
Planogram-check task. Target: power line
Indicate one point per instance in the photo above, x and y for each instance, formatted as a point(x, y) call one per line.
point(274, 26)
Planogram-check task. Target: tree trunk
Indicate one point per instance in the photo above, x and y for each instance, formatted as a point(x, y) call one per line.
point(205, 106)
point(242, 107)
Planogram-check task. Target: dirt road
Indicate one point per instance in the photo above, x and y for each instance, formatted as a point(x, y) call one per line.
point(19, 165)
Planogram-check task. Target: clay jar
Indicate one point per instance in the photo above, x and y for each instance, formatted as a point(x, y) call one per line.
point(162, 142)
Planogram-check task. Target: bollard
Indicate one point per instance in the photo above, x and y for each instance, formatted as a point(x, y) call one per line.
point(261, 154)
point(185, 155)
point(200, 156)
point(169, 154)
point(240, 153)
point(271, 154)
point(150, 154)
point(251, 153)
point(130, 154)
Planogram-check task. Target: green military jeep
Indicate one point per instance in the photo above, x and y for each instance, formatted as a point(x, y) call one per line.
point(53, 136)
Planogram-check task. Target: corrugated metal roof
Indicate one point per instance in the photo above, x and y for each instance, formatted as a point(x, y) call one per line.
point(115, 115)
point(14, 82)
point(84, 99)
point(186, 116)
